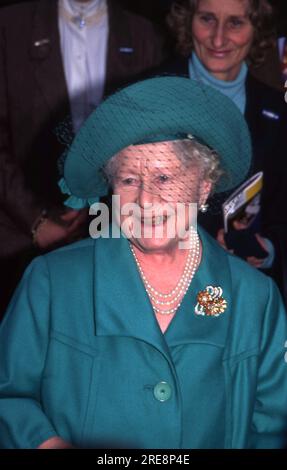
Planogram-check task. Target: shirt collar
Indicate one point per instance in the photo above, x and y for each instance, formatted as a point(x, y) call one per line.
point(87, 9)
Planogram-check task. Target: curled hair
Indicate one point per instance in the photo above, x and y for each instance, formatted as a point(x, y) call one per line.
point(190, 151)
point(261, 17)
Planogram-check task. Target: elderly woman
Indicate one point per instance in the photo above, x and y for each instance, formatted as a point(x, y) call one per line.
point(154, 337)
point(217, 42)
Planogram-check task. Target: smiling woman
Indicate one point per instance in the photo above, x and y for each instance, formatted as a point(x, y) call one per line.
point(247, 23)
point(130, 336)
point(162, 179)
point(218, 42)
point(222, 36)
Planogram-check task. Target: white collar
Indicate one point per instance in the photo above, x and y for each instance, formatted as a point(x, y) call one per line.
point(86, 9)
point(83, 15)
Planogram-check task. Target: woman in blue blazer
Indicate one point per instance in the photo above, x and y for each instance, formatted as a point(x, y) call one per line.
point(136, 341)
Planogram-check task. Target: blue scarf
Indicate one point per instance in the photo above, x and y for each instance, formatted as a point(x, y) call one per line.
point(234, 89)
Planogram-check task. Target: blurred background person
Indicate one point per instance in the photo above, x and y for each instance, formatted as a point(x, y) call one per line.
point(57, 61)
point(216, 44)
point(271, 71)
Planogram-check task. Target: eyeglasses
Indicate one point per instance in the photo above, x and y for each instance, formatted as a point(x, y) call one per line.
point(174, 187)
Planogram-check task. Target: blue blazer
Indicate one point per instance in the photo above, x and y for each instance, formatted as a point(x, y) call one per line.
point(82, 356)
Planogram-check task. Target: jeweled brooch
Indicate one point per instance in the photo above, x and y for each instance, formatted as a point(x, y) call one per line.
point(210, 302)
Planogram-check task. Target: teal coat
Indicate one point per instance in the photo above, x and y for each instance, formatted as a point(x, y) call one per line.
point(82, 356)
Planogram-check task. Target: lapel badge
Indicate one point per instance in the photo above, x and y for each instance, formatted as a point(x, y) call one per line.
point(42, 42)
point(210, 302)
point(126, 50)
point(270, 114)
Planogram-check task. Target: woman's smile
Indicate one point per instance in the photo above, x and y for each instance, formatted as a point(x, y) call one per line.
point(219, 54)
point(154, 221)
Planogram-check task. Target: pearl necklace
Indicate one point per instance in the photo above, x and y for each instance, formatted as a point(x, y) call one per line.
point(183, 284)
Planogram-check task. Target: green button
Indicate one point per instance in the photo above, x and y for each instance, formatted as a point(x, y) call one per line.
point(162, 391)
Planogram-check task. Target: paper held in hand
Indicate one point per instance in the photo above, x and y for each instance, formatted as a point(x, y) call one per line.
point(244, 204)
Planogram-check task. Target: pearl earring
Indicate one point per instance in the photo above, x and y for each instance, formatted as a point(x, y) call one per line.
point(204, 208)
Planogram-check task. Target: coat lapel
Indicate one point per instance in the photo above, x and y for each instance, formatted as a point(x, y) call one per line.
point(122, 307)
point(115, 26)
point(46, 55)
point(187, 326)
point(119, 46)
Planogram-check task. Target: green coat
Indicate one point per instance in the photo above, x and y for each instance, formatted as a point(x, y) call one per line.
point(82, 356)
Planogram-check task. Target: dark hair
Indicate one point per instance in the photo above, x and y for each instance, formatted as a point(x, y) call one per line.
point(261, 16)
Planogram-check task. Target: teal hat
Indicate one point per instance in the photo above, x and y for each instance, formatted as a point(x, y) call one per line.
point(148, 111)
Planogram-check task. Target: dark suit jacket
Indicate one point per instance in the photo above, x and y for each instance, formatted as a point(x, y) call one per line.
point(34, 100)
point(268, 137)
point(269, 72)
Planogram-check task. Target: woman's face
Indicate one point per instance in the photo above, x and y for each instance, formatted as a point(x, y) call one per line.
point(222, 36)
point(155, 191)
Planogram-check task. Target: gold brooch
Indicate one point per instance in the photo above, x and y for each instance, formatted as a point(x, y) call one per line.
point(210, 302)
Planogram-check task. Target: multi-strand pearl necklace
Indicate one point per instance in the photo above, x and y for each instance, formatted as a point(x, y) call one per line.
point(178, 292)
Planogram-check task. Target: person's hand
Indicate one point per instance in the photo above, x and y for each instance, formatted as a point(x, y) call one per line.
point(252, 260)
point(55, 443)
point(221, 240)
point(69, 227)
point(257, 262)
